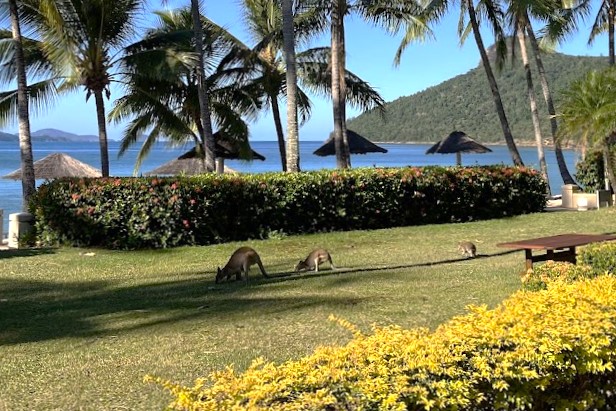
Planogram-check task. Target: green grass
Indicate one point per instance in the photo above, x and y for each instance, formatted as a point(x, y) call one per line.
point(80, 332)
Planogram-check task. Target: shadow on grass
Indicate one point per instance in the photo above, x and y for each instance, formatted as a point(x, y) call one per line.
point(291, 275)
point(38, 310)
point(25, 252)
point(33, 311)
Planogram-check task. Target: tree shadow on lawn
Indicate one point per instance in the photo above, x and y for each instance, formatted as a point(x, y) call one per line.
point(33, 311)
point(292, 276)
point(25, 252)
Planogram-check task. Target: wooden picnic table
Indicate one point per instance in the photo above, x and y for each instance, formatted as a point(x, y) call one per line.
point(557, 247)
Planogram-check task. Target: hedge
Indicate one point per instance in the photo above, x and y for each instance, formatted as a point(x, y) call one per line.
point(548, 350)
point(163, 212)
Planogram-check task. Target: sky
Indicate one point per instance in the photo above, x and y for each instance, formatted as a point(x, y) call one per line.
point(370, 53)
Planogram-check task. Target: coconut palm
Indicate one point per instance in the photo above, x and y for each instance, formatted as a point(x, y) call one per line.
point(80, 38)
point(519, 11)
point(518, 16)
point(25, 142)
point(263, 62)
point(291, 77)
point(490, 11)
point(392, 15)
point(162, 86)
point(588, 114)
point(204, 103)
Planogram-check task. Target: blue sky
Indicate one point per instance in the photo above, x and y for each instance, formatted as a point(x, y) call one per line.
point(370, 53)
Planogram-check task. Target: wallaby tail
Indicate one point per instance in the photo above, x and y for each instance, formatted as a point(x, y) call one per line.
point(260, 264)
point(329, 258)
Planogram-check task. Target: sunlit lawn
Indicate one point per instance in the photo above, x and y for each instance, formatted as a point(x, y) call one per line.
point(80, 332)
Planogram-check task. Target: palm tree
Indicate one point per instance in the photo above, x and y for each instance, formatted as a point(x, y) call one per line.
point(79, 39)
point(162, 86)
point(491, 10)
point(390, 15)
point(547, 96)
point(204, 104)
point(291, 77)
point(263, 62)
point(588, 114)
point(25, 143)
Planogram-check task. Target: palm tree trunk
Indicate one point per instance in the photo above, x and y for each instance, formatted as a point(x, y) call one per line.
point(532, 99)
point(102, 131)
point(291, 76)
point(337, 98)
point(547, 95)
point(343, 89)
point(279, 132)
point(25, 142)
point(209, 145)
point(513, 150)
point(608, 164)
point(610, 29)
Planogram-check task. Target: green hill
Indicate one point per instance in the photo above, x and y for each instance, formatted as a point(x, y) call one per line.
point(465, 103)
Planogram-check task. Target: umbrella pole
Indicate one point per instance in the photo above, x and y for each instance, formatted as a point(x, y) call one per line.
point(458, 158)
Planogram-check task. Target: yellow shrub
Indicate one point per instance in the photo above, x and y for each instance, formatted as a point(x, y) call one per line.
point(552, 349)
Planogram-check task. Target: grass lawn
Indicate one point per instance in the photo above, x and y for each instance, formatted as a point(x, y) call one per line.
point(80, 332)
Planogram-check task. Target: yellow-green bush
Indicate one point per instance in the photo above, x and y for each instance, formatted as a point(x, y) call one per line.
point(541, 275)
point(552, 349)
point(600, 256)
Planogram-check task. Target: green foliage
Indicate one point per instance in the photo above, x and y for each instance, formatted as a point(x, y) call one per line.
point(541, 276)
point(600, 256)
point(465, 103)
point(164, 212)
point(546, 350)
point(590, 172)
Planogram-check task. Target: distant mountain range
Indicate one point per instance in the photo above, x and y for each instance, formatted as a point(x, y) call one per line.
point(52, 135)
point(465, 103)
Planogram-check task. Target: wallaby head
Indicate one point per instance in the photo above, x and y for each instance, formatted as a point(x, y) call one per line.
point(301, 265)
point(219, 275)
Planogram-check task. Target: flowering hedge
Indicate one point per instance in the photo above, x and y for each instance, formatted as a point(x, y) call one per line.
point(546, 350)
point(164, 212)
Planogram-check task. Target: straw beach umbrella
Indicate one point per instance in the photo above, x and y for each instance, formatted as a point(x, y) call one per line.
point(357, 145)
point(191, 162)
point(58, 165)
point(457, 142)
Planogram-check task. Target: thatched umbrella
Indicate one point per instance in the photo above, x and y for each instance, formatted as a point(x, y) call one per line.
point(191, 162)
point(457, 142)
point(188, 166)
point(58, 165)
point(357, 145)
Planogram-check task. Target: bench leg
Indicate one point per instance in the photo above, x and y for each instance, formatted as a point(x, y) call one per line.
point(529, 259)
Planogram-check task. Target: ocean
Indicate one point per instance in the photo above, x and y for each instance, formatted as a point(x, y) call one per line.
point(398, 155)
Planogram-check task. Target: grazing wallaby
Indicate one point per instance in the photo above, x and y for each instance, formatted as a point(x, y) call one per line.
point(318, 256)
point(239, 264)
point(467, 249)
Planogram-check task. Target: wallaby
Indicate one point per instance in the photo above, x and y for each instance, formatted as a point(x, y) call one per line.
point(318, 256)
point(239, 264)
point(467, 249)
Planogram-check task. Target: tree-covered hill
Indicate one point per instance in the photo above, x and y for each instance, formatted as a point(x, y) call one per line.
point(465, 103)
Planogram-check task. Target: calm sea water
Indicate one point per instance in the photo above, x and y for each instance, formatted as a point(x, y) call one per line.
point(398, 155)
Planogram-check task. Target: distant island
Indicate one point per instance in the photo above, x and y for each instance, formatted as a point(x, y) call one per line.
point(51, 135)
point(465, 103)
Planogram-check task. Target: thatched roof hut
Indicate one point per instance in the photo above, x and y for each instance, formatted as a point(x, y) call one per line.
point(357, 145)
point(58, 165)
point(458, 142)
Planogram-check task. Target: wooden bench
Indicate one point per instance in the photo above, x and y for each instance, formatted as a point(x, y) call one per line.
point(557, 247)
